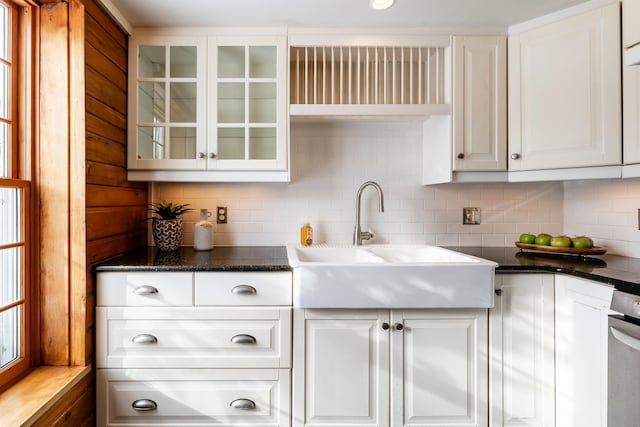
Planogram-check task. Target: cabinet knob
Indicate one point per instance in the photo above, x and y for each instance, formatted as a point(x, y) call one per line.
point(144, 339)
point(385, 325)
point(244, 404)
point(498, 292)
point(515, 156)
point(144, 405)
point(461, 155)
point(201, 155)
point(243, 339)
point(145, 290)
point(398, 326)
point(212, 155)
point(244, 289)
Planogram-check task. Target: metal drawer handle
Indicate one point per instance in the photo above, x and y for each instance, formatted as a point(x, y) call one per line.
point(244, 404)
point(144, 405)
point(145, 290)
point(244, 289)
point(243, 339)
point(144, 339)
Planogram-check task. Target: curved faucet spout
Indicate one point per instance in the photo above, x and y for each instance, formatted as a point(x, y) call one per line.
point(358, 234)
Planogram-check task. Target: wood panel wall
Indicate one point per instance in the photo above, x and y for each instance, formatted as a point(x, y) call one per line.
point(115, 208)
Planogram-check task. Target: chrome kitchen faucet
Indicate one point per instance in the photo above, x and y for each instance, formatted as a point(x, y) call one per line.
point(358, 234)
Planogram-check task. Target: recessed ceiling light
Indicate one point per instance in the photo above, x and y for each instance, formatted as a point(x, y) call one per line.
point(381, 4)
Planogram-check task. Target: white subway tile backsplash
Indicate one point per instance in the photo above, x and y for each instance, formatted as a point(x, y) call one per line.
point(331, 159)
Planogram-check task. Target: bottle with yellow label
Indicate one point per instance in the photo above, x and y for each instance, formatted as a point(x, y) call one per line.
point(306, 234)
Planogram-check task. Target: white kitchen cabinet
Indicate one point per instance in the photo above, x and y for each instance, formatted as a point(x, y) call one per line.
point(630, 19)
point(521, 352)
point(564, 92)
point(185, 348)
point(390, 368)
point(582, 307)
point(207, 108)
point(480, 103)
point(631, 117)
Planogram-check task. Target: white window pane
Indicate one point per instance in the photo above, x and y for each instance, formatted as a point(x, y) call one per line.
point(4, 91)
point(9, 215)
point(4, 150)
point(10, 272)
point(4, 31)
point(9, 335)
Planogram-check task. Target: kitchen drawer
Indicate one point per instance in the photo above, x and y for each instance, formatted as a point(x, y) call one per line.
point(243, 288)
point(144, 288)
point(202, 397)
point(203, 337)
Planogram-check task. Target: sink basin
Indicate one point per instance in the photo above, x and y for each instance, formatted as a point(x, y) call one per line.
point(389, 276)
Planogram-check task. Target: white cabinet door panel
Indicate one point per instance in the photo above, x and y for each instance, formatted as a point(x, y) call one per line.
point(439, 367)
point(521, 336)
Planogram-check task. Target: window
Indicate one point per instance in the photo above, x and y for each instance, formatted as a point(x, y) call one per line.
point(15, 189)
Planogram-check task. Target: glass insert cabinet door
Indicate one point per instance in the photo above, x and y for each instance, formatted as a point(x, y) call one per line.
point(247, 103)
point(168, 103)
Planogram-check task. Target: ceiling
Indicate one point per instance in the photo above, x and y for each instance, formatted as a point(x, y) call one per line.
point(480, 15)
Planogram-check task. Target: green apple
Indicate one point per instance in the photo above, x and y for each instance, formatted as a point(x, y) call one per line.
point(582, 242)
point(527, 238)
point(543, 239)
point(561, 241)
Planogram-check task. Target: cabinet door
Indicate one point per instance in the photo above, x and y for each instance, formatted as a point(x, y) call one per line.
point(631, 114)
point(480, 104)
point(630, 19)
point(439, 367)
point(247, 103)
point(521, 351)
point(581, 352)
point(166, 108)
point(341, 361)
point(564, 93)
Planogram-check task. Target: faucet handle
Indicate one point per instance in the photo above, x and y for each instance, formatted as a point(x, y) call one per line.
point(366, 235)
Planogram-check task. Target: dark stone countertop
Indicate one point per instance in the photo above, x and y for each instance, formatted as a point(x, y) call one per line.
point(225, 258)
point(619, 271)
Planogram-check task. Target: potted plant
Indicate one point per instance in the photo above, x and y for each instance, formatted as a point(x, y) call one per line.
point(166, 225)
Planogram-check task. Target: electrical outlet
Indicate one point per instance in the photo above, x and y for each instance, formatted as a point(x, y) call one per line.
point(221, 215)
point(471, 216)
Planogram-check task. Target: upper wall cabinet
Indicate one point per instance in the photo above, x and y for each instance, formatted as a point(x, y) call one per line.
point(335, 75)
point(564, 93)
point(631, 31)
point(480, 103)
point(207, 108)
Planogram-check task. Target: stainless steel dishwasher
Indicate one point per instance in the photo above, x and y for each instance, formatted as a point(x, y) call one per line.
point(623, 407)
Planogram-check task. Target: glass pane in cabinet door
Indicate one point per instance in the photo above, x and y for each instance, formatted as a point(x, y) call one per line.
point(182, 143)
point(231, 62)
point(151, 102)
point(151, 142)
point(262, 62)
point(182, 104)
point(152, 61)
point(262, 103)
point(231, 144)
point(262, 144)
point(230, 102)
point(183, 61)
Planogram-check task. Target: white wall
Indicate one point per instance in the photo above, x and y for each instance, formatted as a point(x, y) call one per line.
point(607, 211)
point(330, 159)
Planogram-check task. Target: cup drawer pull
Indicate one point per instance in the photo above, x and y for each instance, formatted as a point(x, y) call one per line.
point(144, 339)
point(244, 290)
point(244, 404)
point(145, 290)
point(144, 405)
point(243, 339)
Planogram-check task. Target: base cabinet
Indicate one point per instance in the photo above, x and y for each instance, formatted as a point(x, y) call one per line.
point(582, 307)
point(390, 368)
point(521, 351)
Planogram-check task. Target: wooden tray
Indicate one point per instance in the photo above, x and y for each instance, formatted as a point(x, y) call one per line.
point(596, 250)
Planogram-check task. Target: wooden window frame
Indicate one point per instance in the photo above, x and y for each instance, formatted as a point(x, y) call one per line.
point(23, 120)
